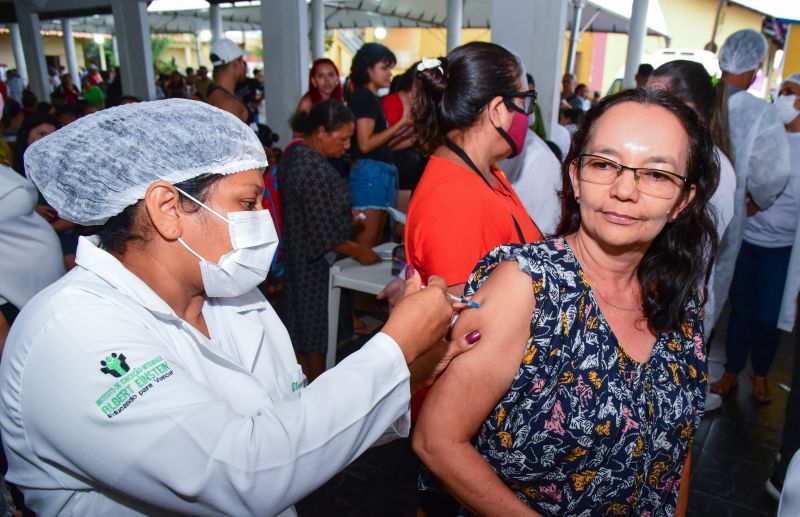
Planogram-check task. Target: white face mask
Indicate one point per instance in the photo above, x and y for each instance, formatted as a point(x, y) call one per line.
point(239, 271)
point(786, 110)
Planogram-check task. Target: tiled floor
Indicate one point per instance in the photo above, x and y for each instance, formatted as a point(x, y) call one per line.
point(733, 454)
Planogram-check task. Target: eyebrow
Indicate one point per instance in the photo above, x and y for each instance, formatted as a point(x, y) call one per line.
point(652, 159)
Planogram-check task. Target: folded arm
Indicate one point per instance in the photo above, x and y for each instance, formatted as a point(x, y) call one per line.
point(471, 387)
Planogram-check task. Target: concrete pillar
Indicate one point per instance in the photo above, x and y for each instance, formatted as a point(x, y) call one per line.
point(455, 20)
point(115, 49)
point(528, 26)
point(318, 28)
point(284, 26)
point(577, 9)
point(100, 40)
point(69, 49)
point(33, 48)
point(198, 49)
point(215, 18)
point(19, 55)
point(136, 59)
point(637, 30)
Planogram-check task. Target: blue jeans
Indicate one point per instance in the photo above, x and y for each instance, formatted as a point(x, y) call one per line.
point(756, 293)
point(373, 184)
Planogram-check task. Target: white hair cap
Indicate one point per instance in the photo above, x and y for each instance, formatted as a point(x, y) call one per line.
point(794, 78)
point(742, 51)
point(100, 164)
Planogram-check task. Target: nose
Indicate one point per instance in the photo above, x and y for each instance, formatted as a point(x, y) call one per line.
point(624, 187)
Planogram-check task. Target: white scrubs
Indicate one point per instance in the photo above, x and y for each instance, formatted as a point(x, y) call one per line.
point(31, 257)
point(536, 177)
point(761, 161)
point(113, 405)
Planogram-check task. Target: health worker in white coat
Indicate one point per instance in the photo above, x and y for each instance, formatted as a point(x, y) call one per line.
point(760, 154)
point(154, 378)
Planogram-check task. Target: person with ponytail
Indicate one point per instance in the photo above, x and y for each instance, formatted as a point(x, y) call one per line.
point(471, 111)
point(588, 386)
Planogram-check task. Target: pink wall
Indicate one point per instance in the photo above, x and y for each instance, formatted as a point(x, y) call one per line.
point(598, 61)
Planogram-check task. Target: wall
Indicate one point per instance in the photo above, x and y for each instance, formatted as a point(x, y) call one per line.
point(791, 60)
point(53, 46)
point(690, 22)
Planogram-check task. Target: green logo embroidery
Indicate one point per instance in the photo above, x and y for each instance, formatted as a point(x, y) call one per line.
point(115, 365)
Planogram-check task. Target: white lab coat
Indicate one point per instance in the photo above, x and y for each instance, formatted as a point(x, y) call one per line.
point(762, 170)
point(195, 426)
point(790, 494)
point(722, 202)
point(31, 257)
point(788, 314)
point(560, 136)
point(536, 177)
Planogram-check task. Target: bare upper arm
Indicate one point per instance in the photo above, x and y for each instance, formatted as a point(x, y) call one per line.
point(365, 126)
point(475, 381)
point(305, 104)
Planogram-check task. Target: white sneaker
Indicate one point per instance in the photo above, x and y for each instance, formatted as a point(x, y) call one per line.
point(713, 401)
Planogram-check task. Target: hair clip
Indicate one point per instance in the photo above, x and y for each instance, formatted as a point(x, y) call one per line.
point(428, 63)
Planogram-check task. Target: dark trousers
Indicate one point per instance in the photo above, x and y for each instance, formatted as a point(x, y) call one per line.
point(755, 296)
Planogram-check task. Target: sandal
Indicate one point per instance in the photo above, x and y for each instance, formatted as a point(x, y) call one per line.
point(760, 389)
point(725, 384)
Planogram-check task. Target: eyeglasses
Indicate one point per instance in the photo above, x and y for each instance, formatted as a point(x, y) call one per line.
point(529, 101)
point(653, 182)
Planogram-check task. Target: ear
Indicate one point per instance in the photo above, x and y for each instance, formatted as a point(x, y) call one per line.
point(498, 113)
point(682, 204)
point(162, 203)
point(573, 177)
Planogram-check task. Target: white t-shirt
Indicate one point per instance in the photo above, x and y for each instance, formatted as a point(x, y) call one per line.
point(31, 258)
point(775, 227)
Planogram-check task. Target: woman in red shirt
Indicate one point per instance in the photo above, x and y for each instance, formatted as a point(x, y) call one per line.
point(471, 110)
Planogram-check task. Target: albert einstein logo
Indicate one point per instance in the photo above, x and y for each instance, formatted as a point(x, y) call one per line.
point(115, 365)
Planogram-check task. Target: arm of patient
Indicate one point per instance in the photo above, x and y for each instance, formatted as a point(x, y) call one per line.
point(473, 384)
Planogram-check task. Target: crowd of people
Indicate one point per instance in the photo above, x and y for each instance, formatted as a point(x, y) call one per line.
point(555, 362)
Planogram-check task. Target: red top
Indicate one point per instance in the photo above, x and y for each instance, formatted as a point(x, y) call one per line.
point(455, 219)
point(392, 108)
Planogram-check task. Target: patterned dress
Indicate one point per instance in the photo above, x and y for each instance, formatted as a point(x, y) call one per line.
point(585, 430)
point(316, 218)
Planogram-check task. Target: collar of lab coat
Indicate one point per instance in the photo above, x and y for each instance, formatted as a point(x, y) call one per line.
point(92, 258)
point(246, 334)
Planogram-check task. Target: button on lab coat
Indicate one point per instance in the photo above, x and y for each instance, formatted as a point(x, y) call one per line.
point(173, 422)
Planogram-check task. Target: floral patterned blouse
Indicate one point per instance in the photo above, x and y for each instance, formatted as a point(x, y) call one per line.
point(586, 430)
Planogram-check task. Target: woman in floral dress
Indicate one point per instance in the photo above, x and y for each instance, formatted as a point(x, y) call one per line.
point(589, 383)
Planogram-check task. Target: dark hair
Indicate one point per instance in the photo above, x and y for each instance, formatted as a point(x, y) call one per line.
point(329, 114)
point(453, 94)
point(644, 69)
point(529, 77)
point(33, 121)
point(29, 99)
point(679, 259)
point(690, 82)
point(369, 55)
point(405, 81)
point(121, 229)
point(575, 115)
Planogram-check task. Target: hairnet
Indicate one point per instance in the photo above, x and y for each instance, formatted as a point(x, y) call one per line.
point(742, 51)
point(794, 78)
point(95, 167)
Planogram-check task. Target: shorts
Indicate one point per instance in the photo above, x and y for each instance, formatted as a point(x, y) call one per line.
point(373, 184)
